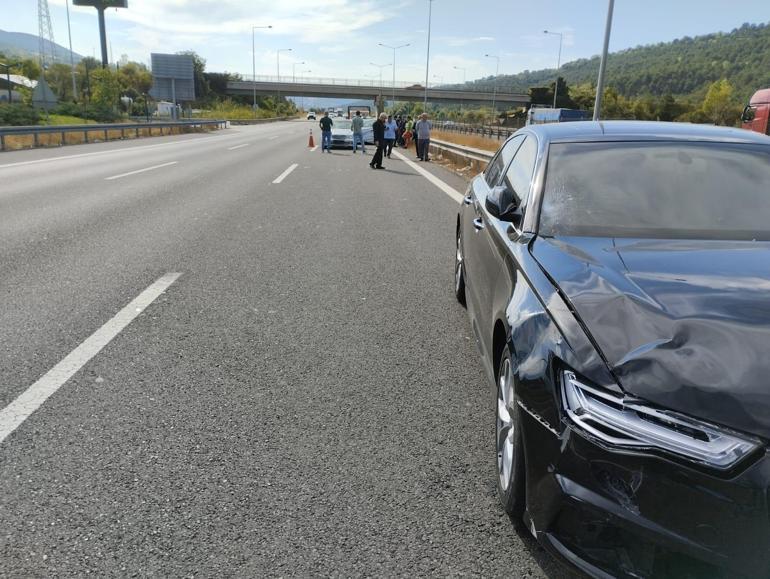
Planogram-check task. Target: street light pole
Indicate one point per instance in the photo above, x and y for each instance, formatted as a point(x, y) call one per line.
point(494, 92)
point(380, 66)
point(427, 59)
point(278, 71)
point(603, 64)
point(464, 82)
point(254, 70)
point(394, 48)
point(293, 71)
point(558, 63)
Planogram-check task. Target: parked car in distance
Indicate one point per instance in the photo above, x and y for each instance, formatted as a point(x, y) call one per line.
point(311, 116)
point(617, 280)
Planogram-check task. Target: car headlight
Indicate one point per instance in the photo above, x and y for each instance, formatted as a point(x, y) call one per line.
point(631, 424)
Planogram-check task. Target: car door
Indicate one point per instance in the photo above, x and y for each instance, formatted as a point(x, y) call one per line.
point(493, 258)
point(473, 230)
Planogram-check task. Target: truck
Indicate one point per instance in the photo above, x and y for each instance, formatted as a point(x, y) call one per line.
point(365, 110)
point(541, 116)
point(756, 115)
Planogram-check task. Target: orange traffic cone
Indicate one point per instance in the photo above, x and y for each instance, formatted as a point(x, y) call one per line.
point(310, 142)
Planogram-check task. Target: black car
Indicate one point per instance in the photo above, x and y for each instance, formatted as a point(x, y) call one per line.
point(617, 278)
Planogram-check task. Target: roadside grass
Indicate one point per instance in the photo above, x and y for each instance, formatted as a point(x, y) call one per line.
point(474, 141)
point(65, 120)
point(233, 111)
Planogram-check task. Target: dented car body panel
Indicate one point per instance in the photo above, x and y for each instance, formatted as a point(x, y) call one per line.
point(679, 325)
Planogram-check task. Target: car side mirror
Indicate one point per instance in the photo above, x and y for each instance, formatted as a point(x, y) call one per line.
point(748, 114)
point(503, 204)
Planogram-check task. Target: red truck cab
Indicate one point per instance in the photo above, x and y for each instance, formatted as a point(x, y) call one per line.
point(756, 115)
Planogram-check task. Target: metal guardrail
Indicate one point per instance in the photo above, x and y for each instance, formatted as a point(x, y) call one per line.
point(36, 131)
point(461, 150)
point(499, 133)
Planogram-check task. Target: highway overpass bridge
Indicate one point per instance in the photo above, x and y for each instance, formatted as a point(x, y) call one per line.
point(353, 90)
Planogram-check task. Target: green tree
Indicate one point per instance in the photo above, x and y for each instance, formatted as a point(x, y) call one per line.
point(30, 68)
point(134, 79)
point(718, 105)
point(105, 88)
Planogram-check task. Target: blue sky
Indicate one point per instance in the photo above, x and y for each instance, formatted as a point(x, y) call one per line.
point(339, 38)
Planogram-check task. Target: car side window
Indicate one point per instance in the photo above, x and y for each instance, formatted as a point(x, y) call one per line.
point(498, 164)
point(518, 177)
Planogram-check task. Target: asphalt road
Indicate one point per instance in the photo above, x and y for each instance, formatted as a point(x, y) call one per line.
point(304, 399)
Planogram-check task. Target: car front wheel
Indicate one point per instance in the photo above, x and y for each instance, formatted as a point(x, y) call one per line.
point(509, 445)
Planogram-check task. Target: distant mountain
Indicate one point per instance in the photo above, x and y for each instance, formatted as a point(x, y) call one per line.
point(27, 45)
point(683, 67)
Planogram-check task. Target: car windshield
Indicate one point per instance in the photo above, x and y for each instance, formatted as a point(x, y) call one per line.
point(341, 124)
point(661, 189)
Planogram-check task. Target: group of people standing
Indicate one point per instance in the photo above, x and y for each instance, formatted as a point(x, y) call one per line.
point(390, 132)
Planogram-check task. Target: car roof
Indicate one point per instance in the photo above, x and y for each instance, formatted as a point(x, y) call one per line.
point(578, 131)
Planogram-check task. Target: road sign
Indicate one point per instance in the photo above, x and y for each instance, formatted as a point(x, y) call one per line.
point(102, 3)
point(173, 77)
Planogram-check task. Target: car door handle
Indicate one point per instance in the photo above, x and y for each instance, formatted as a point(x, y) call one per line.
point(467, 200)
point(478, 224)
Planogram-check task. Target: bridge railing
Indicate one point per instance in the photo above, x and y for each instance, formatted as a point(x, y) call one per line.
point(367, 82)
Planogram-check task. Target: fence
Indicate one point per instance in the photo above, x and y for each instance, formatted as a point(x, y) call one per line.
point(75, 134)
point(499, 133)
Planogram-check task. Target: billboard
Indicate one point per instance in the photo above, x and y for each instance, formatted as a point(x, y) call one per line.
point(173, 77)
point(102, 3)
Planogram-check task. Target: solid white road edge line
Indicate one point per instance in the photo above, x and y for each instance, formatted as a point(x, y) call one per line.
point(446, 188)
point(238, 146)
point(13, 415)
point(285, 174)
point(273, 137)
point(140, 170)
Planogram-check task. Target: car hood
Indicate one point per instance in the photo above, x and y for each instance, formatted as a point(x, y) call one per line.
point(683, 324)
point(336, 131)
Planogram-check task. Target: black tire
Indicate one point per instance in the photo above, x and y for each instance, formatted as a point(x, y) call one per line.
point(510, 488)
point(459, 271)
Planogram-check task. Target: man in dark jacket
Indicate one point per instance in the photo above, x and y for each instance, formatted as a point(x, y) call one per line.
point(379, 141)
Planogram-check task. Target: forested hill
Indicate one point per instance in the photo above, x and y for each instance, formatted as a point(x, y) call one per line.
point(681, 68)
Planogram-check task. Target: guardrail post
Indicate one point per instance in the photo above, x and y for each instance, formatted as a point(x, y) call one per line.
point(36, 140)
point(122, 134)
point(136, 129)
point(63, 138)
point(85, 135)
point(2, 142)
point(105, 135)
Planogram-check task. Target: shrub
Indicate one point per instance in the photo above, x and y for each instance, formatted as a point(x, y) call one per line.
point(18, 115)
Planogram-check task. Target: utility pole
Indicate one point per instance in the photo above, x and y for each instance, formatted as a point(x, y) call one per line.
point(254, 70)
point(427, 59)
point(72, 58)
point(558, 63)
point(603, 64)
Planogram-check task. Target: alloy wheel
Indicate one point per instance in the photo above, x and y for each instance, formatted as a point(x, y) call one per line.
point(505, 424)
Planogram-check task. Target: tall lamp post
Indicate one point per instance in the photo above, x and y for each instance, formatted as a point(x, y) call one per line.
point(301, 73)
point(278, 72)
point(293, 70)
point(254, 69)
point(494, 91)
point(381, 66)
point(464, 82)
point(72, 57)
point(427, 58)
point(558, 63)
point(394, 48)
point(603, 64)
